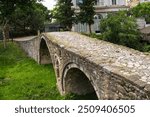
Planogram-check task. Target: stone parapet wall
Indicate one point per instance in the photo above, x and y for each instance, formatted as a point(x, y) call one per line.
point(30, 47)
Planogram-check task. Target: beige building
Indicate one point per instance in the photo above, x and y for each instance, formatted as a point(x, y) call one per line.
point(133, 3)
point(146, 33)
point(102, 7)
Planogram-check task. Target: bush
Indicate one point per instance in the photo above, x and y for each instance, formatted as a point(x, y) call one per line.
point(146, 48)
point(142, 10)
point(93, 35)
point(23, 33)
point(98, 36)
point(121, 29)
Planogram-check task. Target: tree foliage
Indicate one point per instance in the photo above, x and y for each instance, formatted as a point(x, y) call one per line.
point(7, 9)
point(121, 29)
point(29, 19)
point(87, 12)
point(63, 13)
point(20, 12)
point(142, 10)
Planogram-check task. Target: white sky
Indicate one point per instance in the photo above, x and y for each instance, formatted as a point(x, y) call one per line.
point(49, 3)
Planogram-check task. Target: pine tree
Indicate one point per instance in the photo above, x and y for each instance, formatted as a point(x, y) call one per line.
point(87, 12)
point(63, 13)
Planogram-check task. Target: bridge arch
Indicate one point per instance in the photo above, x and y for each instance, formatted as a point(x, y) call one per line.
point(57, 65)
point(76, 81)
point(44, 52)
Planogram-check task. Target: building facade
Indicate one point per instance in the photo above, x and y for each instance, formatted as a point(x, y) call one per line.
point(133, 3)
point(102, 8)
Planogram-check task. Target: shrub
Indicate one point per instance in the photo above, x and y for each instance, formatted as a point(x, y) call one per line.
point(121, 29)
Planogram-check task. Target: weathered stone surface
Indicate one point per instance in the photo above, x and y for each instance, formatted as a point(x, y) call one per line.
point(147, 87)
point(140, 83)
point(112, 71)
point(121, 89)
point(132, 95)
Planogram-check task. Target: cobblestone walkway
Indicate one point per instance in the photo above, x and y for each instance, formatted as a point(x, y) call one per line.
point(24, 38)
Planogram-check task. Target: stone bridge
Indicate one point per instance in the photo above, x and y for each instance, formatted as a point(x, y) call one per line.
point(85, 65)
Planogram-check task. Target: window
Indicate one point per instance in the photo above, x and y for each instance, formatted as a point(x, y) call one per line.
point(97, 2)
point(101, 2)
point(113, 2)
point(100, 16)
point(79, 2)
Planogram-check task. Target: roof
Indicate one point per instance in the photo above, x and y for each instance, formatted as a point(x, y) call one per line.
point(145, 30)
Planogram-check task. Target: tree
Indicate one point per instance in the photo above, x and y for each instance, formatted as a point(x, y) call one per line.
point(38, 16)
point(121, 29)
point(30, 19)
point(7, 8)
point(87, 12)
point(142, 10)
point(63, 13)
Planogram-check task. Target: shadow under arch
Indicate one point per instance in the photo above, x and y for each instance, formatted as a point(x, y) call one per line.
point(75, 81)
point(44, 53)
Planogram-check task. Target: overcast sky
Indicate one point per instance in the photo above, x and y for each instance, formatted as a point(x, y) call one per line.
point(49, 3)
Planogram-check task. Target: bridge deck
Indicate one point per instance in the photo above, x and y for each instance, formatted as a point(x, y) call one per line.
point(123, 61)
point(24, 38)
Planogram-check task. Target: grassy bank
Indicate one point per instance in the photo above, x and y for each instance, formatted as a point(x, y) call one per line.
point(21, 78)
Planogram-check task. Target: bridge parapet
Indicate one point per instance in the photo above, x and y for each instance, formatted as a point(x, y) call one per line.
point(83, 65)
point(29, 44)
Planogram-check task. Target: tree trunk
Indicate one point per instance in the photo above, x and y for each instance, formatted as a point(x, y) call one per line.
point(90, 30)
point(38, 32)
point(4, 37)
point(7, 31)
point(4, 33)
point(69, 28)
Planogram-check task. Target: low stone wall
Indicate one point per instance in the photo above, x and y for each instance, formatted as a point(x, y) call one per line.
point(30, 47)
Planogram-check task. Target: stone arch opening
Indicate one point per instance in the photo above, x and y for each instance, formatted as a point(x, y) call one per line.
point(76, 82)
point(45, 57)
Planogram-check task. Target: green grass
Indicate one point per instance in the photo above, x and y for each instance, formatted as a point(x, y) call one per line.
point(21, 78)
